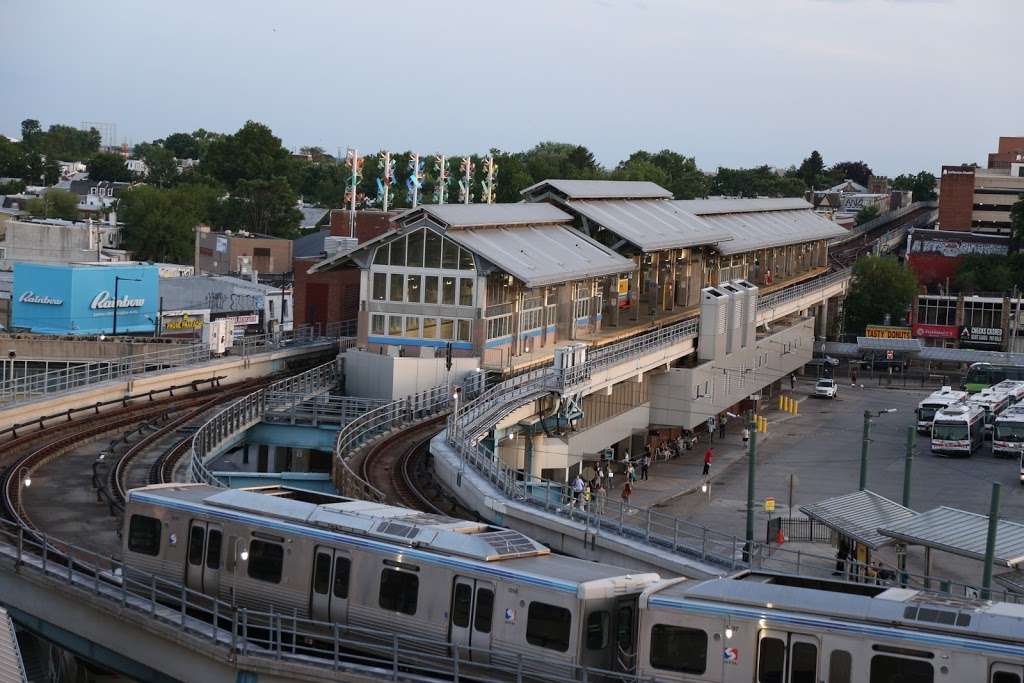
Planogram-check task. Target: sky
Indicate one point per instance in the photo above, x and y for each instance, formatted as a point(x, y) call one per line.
point(905, 85)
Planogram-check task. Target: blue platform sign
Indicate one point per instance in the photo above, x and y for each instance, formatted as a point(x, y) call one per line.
point(79, 299)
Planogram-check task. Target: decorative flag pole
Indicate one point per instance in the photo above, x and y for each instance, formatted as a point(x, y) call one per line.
point(384, 184)
point(355, 164)
point(489, 184)
point(466, 167)
point(441, 167)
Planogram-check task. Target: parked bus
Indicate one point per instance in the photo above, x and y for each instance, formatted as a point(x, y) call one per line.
point(958, 429)
point(1013, 387)
point(1008, 433)
point(926, 409)
point(993, 403)
point(983, 375)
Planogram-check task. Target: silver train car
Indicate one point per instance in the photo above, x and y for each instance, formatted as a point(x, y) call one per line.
point(765, 628)
point(363, 564)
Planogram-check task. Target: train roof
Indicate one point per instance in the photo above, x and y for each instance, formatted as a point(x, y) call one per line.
point(768, 595)
point(448, 536)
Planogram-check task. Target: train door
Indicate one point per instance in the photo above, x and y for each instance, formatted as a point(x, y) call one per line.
point(329, 587)
point(787, 658)
point(625, 644)
point(472, 614)
point(205, 550)
point(1006, 673)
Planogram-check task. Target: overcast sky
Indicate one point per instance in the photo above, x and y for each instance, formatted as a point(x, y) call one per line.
point(902, 84)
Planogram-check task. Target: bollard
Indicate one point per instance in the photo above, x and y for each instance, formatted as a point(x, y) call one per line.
point(796, 407)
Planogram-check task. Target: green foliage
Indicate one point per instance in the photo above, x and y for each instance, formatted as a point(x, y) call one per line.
point(109, 166)
point(1017, 224)
point(12, 187)
point(867, 213)
point(261, 206)
point(30, 132)
point(60, 142)
point(162, 169)
point(857, 171)
point(673, 171)
point(160, 223)
point(811, 171)
point(985, 273)
point(921, 185)
point(321, 182)
point(252, 153)
point(55, 204)
point(881, 285)
point(16, 161)
point(756, 182)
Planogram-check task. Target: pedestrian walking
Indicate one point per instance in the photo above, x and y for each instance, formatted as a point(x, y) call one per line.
point(746, 435)
point(627, 491)
point(631, 473)
point(577, 490)
point(645, 465)
point(721, 426)
point(853, 377)
point(711, 429)
point(792, 381)
point(708, 454)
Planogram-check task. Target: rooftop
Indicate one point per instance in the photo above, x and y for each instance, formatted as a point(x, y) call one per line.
point(651, 224)
point(762, 223)
point(486, 215)
point(961, 533)
point(858, 516)
point(599, 189)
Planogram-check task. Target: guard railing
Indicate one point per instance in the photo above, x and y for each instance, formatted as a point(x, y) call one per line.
point(270, 341)
point(236, 418)
point(291, 408)
point(801, 290)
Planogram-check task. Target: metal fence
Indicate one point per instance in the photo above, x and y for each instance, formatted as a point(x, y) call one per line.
point(298, 408)
point(177, 612)
point(801, 290)
point(247, 411)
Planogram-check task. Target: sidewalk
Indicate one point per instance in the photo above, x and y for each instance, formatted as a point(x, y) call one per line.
point(682, 476)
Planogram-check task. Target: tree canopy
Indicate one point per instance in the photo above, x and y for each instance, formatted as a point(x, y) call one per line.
point(762, 181)
point(1017, 224)
point(60, 142)
point(54, 204)
point(857, 171)
point(109, 166)
point(263, 206)
point(921, 185)
point(673, 171)
point(252, 153)
point(880, 285)
point(867, 213)
point(160, 223)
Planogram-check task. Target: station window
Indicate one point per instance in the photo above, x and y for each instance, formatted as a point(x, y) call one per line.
point(412, 326)
point(399, 591)
point(432, 253)
point(450, 258)
point(414, 258)
point(484, 610)
point(144, 535)
point(464, 330)
point(395, 291)
point(381, 257)
point(674, 648)
point(465, 260)
point(398, 252)
point(840, 667)
point(394, 325)
point(548, 626)
point(378, 324)
point(448, 291)
point(430, 289)
point(430, 328)
point(380, 286)
point(465, 291)
point(597, 630)
point(266, 561)
point(885, 668)
point(447, 329)
point(413, 288)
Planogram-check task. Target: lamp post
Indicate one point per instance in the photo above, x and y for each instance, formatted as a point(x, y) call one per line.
point(864, 444)
point(117, 282)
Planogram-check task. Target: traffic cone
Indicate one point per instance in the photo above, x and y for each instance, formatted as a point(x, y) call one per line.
point(780, 538)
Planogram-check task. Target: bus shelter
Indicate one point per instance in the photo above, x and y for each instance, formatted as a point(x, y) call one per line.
point(856, 518)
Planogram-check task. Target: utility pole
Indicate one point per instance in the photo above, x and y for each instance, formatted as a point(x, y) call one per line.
point(990, 542)
point(908, 464)
point(864, 444)
point(751, 475)
point(117, 304)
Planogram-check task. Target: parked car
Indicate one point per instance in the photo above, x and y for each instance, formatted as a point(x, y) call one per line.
point(826, 388)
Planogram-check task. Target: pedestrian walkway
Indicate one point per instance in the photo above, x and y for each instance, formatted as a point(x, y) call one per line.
point(680, 476)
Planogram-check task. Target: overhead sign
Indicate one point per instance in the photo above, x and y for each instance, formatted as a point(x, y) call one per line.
point(887, 332)
point(926, 331)
point(251, 319)
point(33, 298)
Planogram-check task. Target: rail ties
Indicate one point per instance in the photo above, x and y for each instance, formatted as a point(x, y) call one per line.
point(390, 466)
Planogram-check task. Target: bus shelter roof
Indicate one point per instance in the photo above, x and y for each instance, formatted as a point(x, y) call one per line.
point(961, 533)
point(858, 516)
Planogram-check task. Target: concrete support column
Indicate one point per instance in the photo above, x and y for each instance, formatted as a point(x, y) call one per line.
point(638, 278)
point(821, 320)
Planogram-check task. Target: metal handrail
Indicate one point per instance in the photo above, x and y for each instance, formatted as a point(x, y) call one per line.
point(248, 410)
point(803, 289)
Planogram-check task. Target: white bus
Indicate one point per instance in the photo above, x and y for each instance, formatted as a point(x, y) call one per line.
point(1013, 387)
point(926, 409)
point(993, 403)
point(958, 429)
point(1008, 433)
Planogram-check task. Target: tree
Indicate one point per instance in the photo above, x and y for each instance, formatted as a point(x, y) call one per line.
point(67, 143)
point(857, 171)
point(1017, 225)
point(160, 223)
point(810, 170)
point(880, 286)
point(12, 187)
point(30, 132)
point(988, 273)
point(756, 182)
point(673, 171)
point(922, 185)
point(267, 207)
point(867, 213)
point(161, 167)
point(108, 166)
point(253, 153)
point(55, 204)
point(640, 167)
point(14, 160)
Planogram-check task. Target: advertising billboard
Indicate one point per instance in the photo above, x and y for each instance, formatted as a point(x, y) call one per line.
point(80, 299)
point(887, 332)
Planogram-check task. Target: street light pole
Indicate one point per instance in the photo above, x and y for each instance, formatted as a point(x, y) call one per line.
point(751, 492)
point(990, 541)
point(117, 282)
point(908, 464)
point(864, 444)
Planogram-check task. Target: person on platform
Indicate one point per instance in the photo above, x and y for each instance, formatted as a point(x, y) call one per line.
point(746, 435)
point(645, 465)
point(627, 491)
point(721, 426)
point(577, 490)
point(708, 454)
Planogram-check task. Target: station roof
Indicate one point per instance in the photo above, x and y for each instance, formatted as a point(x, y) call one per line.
point(961, 533)
point(859, 515)
point(761, 223)
point(651, 224)
point(477, 215)
point(877, 344)
point(540, 255)
point(599, 189)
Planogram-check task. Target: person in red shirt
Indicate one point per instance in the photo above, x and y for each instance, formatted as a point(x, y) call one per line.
point(707, 460)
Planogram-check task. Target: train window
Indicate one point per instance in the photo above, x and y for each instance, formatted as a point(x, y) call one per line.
point(885, 668)
point(341, 569)
point(674, 648)
point(266, 561)
point(1005, 677)
point(840, 667)
point(399, 591)
point(460, 605)
point(597, 630)
point(803, 663)
point(213, 543)
point(548, 626)
point(321, 573)
point(196, 541)
point(144, 535)
point(771, 661)
point(484, 610)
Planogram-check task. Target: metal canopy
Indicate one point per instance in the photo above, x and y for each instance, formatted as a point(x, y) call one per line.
point(760, 224)
point(478, 215)
point(961, 533)
point(651, 224)
point(876, 344)
point(858, 516)
point(600, 189)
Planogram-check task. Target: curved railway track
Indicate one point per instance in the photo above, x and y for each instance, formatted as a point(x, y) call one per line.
point(396, 466)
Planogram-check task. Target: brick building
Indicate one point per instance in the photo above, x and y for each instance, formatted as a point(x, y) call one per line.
point(227, 253)
point(979, 199)
point(1009, 148)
